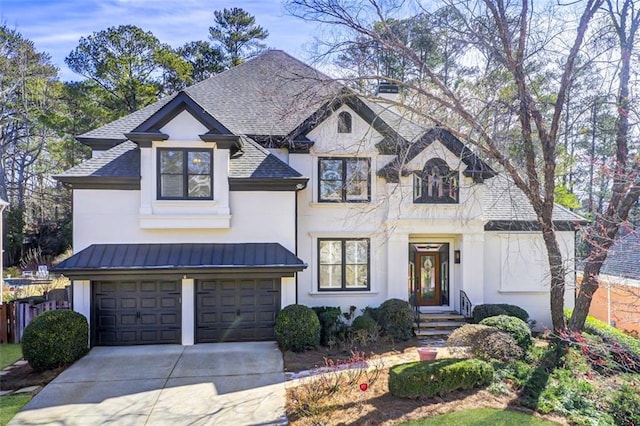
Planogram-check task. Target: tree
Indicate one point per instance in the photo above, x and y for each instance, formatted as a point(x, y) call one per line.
point(205, 59)
point(236, 32)
point(27, 81)
point(625, 188)
point(131, 67)
point(510, 106)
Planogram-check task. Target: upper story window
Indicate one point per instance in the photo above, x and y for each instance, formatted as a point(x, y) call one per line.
point(344, 180)
point(343, 264)
point(185, 174)
point(436, 183)
point(344, 122)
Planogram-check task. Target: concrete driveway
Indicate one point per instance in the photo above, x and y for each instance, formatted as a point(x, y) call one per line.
point(206, 384)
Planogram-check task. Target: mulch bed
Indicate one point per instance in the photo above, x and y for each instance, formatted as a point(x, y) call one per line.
point(21, 376)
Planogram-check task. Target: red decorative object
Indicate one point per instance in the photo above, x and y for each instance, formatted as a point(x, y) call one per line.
point(364, 387)
point(427, 354)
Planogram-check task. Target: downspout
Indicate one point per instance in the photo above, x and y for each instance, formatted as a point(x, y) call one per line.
point(296, 242)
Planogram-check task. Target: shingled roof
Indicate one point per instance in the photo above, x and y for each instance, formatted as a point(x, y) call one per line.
point(122, 164)
point(507, 208)
point(623, 259)
point(270, 94)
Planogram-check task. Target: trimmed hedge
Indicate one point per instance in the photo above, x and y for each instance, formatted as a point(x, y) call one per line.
point(396, 318)
point(54, 339)
point(481, 312)
point(437, 378)
point(297, 328)
point(517, 328)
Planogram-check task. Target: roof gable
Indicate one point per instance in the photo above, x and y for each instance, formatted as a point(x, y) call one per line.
point(476, 168)
point(181, 102)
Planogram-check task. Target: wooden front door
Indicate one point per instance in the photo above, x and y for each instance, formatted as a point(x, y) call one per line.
point(428, 278)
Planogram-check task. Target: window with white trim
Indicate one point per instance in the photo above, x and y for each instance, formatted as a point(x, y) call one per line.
point(343, 264)
point(344, 180)
point(185, 174)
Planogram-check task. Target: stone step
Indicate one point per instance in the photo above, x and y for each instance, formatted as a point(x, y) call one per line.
point(441, 324)
point(441, 317)
point(428, 332)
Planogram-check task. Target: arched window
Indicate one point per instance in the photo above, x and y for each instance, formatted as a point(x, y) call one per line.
point(344, 122)
point(436, 183)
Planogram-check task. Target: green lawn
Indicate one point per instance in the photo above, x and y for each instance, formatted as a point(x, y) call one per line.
point(482, 417)
point(9, 353)
point(10, 405)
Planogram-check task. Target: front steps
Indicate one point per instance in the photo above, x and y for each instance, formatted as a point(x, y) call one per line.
point(438, 324)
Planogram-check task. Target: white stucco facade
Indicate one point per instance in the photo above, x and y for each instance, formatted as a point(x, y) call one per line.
point(489, 266)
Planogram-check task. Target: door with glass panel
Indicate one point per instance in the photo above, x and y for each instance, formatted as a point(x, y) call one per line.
point(427, 277)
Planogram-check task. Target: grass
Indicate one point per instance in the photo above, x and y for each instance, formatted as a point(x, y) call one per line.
point(482, 417)
point(9, 353)
point(10, 405)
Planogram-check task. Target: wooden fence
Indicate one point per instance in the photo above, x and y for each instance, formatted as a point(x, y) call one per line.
point(15, 316)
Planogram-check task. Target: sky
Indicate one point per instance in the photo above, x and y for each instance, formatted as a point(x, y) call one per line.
point(56, 26)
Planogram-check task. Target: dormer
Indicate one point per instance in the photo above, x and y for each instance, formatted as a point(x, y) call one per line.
point(184, 167)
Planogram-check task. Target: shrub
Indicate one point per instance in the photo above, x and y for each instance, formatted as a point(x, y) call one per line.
point(517, 328)
point(499, 346)
point(431, 378)
point(331, 328)
point(372, 312)
point(610, 334)
point(468, 334)
point(481, 312)
point(297, 328)
point(396, 319)
point(364, 322)
point(625, 406)
point(54, 339)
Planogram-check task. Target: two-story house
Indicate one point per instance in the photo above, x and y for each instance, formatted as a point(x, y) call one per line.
point(201, 215)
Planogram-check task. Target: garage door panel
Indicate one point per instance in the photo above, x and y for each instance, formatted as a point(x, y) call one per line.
point(230, 310)
point(136, 312)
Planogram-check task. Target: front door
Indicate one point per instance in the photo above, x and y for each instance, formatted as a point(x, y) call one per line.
point(427, 277)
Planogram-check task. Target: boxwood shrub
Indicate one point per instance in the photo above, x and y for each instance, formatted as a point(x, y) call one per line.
point(396, 318)
point(297, 328)
point(481, 312)
point(331, 328)
point(437, 378)
point(517, 328)
point(364, 322)
point(55, 338)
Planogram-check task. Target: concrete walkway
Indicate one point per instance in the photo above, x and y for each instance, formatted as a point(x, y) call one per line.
point(206, 384)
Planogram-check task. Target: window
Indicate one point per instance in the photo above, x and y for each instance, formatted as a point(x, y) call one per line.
point(344, 122)
point(185, 174)
point(436, 183)
point(343, 264)
point(344, 179)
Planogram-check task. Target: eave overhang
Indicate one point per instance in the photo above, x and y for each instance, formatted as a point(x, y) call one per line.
point(145, 139)
point(268, 184)
point(100, 182)
point(100, 144)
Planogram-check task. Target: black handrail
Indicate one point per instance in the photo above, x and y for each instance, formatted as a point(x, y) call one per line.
point(466, 307)
point(413, 301)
